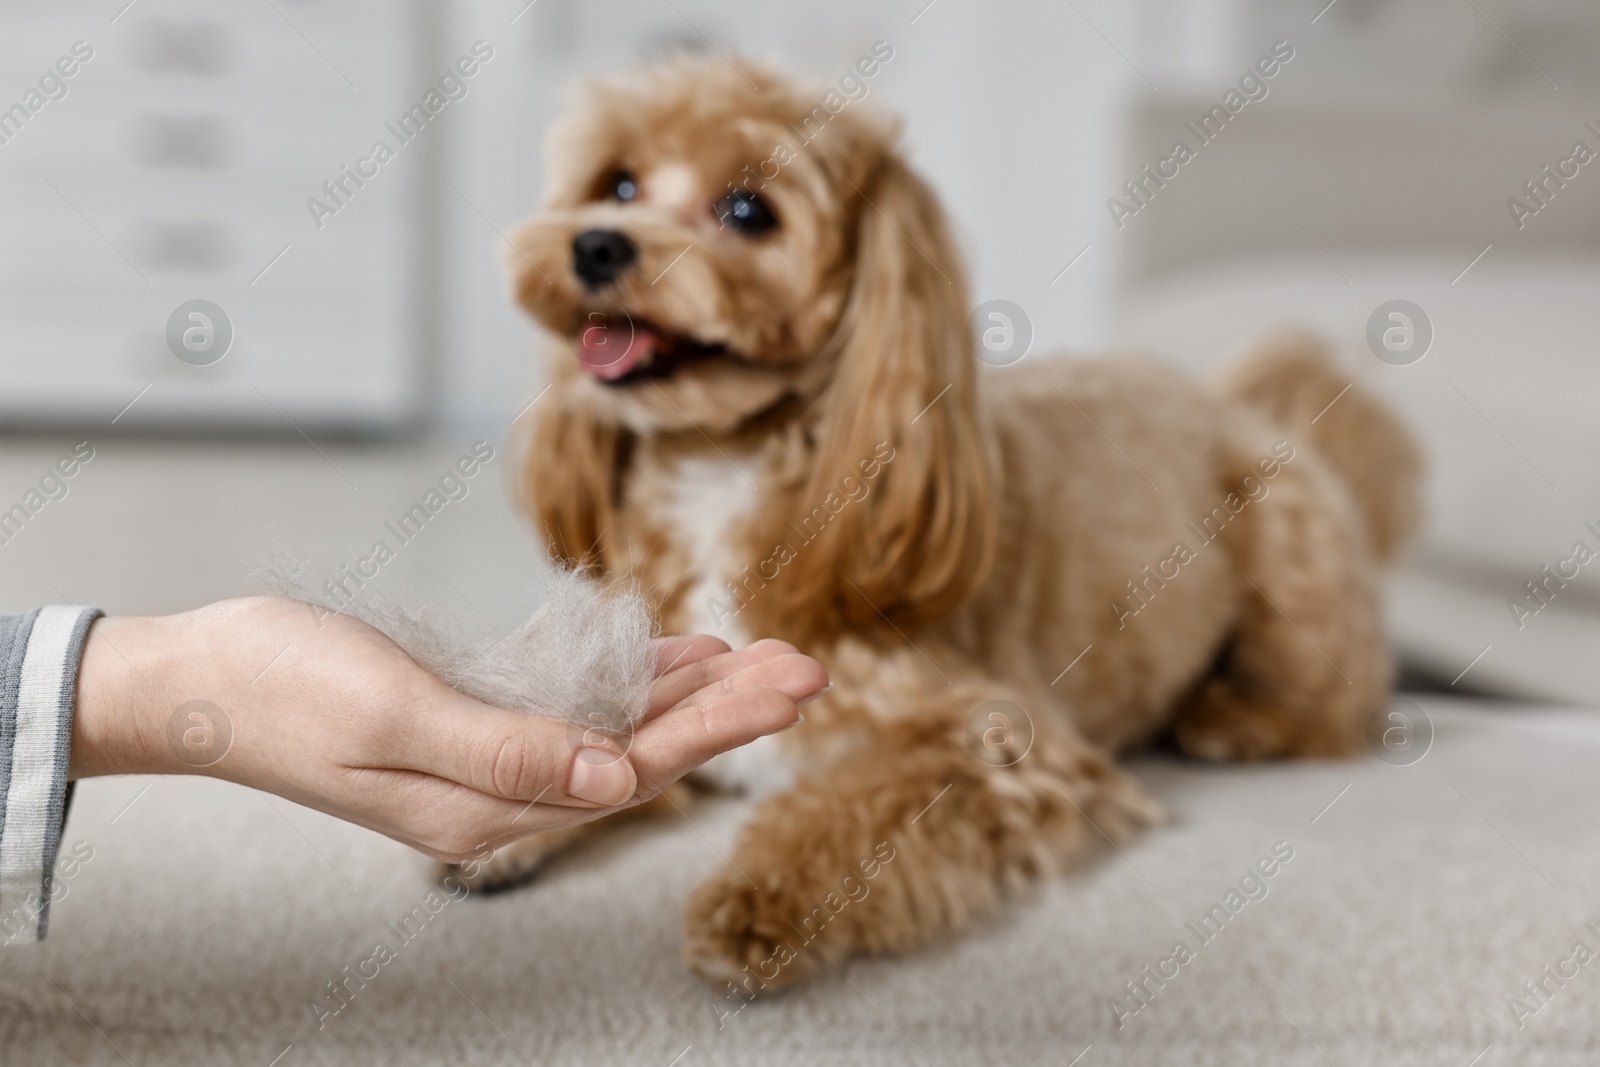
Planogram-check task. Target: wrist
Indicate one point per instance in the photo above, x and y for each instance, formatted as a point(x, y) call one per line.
point(124, 696)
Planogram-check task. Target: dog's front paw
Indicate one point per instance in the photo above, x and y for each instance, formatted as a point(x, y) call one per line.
point(752, 938)
point(509, 866)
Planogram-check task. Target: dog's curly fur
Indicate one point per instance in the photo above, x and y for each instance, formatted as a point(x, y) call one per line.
point(978, 532)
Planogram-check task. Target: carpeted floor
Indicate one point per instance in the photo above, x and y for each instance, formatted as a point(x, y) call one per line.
point(1418, 900)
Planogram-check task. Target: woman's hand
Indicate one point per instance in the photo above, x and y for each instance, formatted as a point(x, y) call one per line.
point(328, 712)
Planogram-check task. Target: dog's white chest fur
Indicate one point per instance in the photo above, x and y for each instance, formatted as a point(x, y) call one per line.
point(710, 499)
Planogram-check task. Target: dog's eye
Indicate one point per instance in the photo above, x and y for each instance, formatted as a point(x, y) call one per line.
point(745, 212)
point(621, 186)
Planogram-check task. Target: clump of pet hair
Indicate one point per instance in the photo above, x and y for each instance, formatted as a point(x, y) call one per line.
point(583, 656)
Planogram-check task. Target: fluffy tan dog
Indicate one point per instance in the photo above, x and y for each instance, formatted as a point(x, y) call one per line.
point(766, 410)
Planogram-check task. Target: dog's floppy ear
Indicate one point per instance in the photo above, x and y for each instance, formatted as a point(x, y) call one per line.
point(900, 416)
point(569, 476)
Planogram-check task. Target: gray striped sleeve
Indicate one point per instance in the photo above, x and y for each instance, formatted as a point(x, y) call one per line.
point(39, 654)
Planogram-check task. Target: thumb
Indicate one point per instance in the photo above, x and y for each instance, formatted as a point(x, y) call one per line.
point(517, 757)
point(601, 776)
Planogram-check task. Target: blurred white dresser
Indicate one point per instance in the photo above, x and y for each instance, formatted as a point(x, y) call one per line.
point(175, 164)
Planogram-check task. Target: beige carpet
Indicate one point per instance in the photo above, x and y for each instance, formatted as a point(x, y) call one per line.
point(207, 923)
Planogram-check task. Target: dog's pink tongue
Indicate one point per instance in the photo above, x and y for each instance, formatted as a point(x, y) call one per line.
point(610, 352)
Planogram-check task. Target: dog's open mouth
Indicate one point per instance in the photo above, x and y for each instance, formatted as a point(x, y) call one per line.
point(624, 350)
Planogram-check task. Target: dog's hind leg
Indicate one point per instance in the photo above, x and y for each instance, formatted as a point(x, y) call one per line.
point(1308, 662)
point(912, 835)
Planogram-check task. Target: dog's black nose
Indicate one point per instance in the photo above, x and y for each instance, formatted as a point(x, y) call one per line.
point(598, 256)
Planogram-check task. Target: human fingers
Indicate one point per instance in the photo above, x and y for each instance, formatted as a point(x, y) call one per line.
point(674, 652)
point(789, 675)
point(514, 756)
point(672, 689)
point(522, 757)
point(682, 739)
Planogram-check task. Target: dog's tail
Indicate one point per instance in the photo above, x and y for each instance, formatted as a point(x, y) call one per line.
point(1293, 378)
